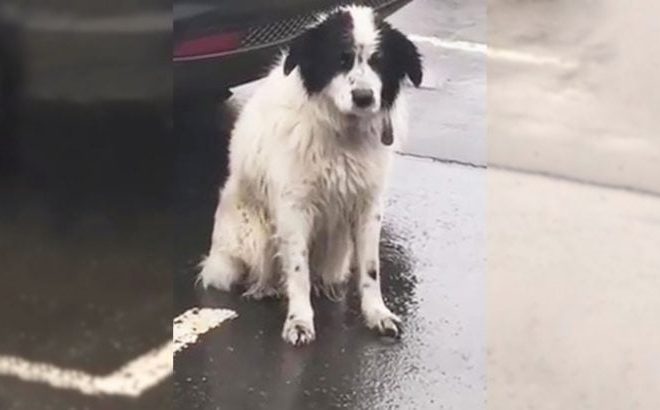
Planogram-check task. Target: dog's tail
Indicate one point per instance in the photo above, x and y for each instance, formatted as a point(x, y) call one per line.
point(220, 271)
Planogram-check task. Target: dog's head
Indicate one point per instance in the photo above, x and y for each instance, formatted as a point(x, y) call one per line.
point(355, 59)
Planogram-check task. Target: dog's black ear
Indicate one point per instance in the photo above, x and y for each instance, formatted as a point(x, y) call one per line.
point(411, 59)
point(405, 54)
point(296, 53)
point(413, 64)
point(291, 60)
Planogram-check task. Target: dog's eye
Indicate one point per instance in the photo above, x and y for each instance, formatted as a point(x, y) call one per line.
point(374, 59)
point(346, 59)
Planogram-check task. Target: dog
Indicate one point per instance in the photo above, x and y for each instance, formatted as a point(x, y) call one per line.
point(308, 161)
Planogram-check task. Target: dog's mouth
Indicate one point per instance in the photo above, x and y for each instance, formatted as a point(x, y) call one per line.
point(357, 112)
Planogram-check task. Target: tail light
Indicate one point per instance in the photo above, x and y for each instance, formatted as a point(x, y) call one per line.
point(208, 46)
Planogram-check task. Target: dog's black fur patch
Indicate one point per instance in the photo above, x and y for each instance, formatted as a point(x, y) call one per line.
point(398, 57)
point(322, 52)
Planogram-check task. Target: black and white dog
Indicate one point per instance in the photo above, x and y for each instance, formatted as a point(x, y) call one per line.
point(309, 156)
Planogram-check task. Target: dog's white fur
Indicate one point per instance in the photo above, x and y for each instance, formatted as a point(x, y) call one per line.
point(361, 75)
point(303, 201)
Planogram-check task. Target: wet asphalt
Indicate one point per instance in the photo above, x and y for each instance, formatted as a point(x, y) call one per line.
point(448, 113)
point(433, 264)
point(86, 228)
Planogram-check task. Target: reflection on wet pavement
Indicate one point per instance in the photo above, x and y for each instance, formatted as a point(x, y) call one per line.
point(246, 364)
point(85, 245)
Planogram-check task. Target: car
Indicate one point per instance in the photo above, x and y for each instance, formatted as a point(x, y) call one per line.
point(219, 44)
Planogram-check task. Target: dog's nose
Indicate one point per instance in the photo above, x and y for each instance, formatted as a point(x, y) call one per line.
point(363, 97)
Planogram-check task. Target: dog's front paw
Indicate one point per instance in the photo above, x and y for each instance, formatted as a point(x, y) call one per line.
point(383, 321)
point(298, 331)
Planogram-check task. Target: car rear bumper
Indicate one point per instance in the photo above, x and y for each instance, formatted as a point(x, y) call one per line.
point(213, 76)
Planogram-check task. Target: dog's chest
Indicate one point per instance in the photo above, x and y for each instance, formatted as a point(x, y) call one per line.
point(344, 182)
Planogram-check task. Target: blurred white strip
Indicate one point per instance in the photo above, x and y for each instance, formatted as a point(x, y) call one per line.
point(491, 52)
point(132, 379)
point(450, 44)
point(59, 22)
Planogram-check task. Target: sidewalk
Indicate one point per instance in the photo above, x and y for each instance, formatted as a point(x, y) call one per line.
point(594, 116)
point(572, 296)
point(574, 268)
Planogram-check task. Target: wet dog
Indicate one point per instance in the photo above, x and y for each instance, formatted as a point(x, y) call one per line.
point(309, 158)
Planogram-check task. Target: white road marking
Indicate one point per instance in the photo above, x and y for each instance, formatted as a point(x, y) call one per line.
point(132, 379)
point(493, 52)
point(189, 325)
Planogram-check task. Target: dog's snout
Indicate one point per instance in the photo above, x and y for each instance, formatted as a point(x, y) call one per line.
point(363, 97)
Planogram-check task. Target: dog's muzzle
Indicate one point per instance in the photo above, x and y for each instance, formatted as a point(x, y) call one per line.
point(362, 97)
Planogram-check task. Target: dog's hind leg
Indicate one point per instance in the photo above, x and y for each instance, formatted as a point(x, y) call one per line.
point(224, 266)
point(331, 260)
point(242, 252)
point(262, 278)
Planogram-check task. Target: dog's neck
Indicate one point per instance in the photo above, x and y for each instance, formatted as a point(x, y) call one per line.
point(361, 124)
